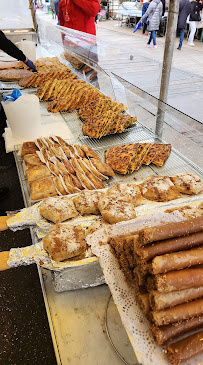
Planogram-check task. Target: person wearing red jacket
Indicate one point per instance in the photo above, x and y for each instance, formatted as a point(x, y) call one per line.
point(79, 14)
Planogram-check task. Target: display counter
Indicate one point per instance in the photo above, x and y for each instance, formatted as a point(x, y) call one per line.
point(85, 325)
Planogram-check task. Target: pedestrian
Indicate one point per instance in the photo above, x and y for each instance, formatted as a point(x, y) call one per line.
point(154, 13)
point(79, 14)
point(184, 11)
point(144, 9)
point(163, 12)
point(196, 7)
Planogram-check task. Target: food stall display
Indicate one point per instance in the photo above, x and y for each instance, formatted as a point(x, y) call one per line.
point(114, 192)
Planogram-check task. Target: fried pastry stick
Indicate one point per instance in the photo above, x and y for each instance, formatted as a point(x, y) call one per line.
point(178, 313)
point(178, 280)
point(171, 230)
point(185, 349)
point(170, 331)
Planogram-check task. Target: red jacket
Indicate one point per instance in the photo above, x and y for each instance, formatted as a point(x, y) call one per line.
point(79, 14)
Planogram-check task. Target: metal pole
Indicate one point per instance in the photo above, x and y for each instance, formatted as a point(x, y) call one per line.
point(167, 62)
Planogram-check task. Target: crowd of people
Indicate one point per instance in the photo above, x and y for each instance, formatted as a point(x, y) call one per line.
point(153, 10)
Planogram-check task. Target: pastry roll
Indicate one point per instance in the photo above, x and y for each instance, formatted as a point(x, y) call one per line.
point(37, 172)
point(58, 209)
point(64, 241)
point(86, 201)
point(169, 331)
point(171, 230)
point(40, 189)
point(183, 350)
point(178, 313)
point(171, 245)
point(177, 261)
point(178, 280)
point(187, 183)
point(160, 301)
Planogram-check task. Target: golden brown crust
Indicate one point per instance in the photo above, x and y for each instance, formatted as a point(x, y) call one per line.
point(187, 183)
point(28, 148)
point(58, 209)
point(40, 189)
point(159, 188)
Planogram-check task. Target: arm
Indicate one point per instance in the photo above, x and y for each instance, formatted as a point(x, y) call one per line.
point(10, 48)
point(90, 7)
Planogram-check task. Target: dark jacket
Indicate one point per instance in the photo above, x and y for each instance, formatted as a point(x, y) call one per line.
point(10, 48)
point(144, 9)
point(195, 12)
point(184, 11)
point(164, 6)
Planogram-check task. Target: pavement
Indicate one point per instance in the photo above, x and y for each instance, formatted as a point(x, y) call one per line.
point(125, 54)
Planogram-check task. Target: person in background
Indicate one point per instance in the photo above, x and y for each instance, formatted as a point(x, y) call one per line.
point(144, 9)
point(79, 14)
point(184, 11)
point(195, 17)
point(163, 12)
point(154, 13)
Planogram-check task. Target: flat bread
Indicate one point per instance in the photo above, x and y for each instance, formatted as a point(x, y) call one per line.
point(13, 74)
point(11, 64)
point(161, 157)
point(86, 201)
point(187, 183)
point(65, 241)
point(159, 188)
point(154, 150)
point(58, 209)
point(119, 157)
point(137, 160)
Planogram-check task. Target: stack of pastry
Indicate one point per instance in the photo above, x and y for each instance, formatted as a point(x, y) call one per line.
point(164, 264)
point(128, 158)
point(55, 167)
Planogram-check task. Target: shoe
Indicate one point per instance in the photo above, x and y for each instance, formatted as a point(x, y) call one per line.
point(147, 45)
point(179, 48)
point(144, 33)
point(155, 46)
point(159, 35)
point(191, 44)
point(4, 192)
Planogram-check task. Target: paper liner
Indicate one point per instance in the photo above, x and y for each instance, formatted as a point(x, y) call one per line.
point(133, 318)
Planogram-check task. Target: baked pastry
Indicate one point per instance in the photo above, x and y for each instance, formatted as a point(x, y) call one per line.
point(64, 241)
point(12, 64)
point(86, 202)
point(187, 183)
point(32, 159)
point(28, 148)
point(40, 189)
point(119, 157)
point(161, 156)
point(37, 172)
point(116, 208)
point(187, 211)
point(136, 162)
point(14, 74)
point(159, 188)
point(102, 167)
point(58, 209)
point(131, 190)
point(100, 223)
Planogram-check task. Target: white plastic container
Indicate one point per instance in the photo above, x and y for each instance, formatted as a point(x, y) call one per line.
point(23, 116)
point(28, 48)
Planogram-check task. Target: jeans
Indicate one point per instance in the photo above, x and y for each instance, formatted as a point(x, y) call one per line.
point(182, 33)
point(152, 36)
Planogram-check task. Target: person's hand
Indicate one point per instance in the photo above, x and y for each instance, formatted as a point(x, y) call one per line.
point(30, 64)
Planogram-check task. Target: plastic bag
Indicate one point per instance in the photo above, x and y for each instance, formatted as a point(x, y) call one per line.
point(15, 95)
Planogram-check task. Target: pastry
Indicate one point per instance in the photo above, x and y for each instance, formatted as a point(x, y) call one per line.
point(187, 183)
point(37, 172)
point(87, 201)
point(131, 190)
point(28, 148)
point(13, 74)
point(102, 167)
point(43, 188)
point(116, 208)
point(32, 159)
point(159, 188)
point(119, 157)
point(58, 209)
point(64, 241)
point(161, 157)
point(100, 223)
point(11, 64)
